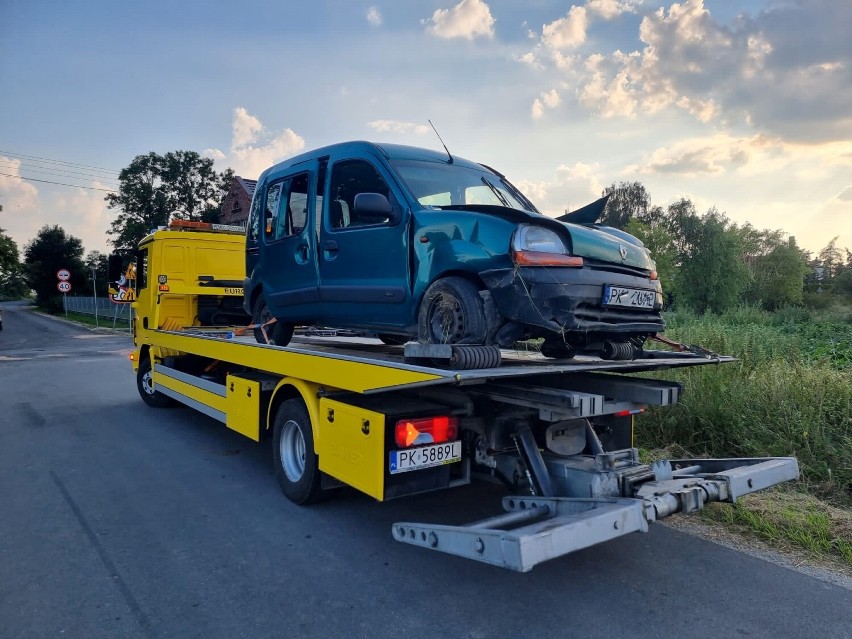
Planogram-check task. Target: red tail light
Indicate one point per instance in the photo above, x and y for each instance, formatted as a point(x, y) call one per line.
point(429, 430)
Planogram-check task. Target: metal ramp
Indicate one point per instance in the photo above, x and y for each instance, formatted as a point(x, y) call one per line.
point(547, 527)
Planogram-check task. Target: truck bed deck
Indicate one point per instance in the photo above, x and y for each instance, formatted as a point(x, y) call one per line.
point(366, 365)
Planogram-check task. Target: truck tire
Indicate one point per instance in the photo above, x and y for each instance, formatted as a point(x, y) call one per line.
point(145, 386)
point(296, 463)
point(452, 312)
point(277, 333)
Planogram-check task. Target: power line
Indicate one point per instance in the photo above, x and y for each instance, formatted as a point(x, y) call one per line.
point(56, 172)
point(93, 188)
point(34, 157)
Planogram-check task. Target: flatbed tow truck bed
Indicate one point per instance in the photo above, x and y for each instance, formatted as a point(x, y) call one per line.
point(559, 432)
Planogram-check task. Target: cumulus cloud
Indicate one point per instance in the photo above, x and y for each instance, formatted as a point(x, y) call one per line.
point(374, 17)
point(82, 213)
point(785, 71)
point(567, 32)
point(468, 19)
point(394, 126)
point(548, 100)
point(253, 148)
point(845, 195)
point(571, 187)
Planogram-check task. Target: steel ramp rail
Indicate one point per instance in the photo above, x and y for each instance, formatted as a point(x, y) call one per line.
point(549, 527)
point(536, 529)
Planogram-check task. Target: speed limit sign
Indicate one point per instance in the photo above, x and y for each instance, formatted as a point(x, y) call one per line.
point(63, 275)
point(64, 287)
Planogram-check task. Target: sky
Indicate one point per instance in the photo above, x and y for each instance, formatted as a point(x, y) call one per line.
point(741, 105)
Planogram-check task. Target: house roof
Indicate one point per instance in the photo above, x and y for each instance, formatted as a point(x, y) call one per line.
point(248, 185)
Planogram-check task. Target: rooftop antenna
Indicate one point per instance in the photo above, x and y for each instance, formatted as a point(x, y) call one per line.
point(442, 142)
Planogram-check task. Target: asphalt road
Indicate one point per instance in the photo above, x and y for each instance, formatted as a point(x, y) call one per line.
point(119, 520)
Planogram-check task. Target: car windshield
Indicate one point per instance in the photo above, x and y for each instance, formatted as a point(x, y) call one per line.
point(450, 185)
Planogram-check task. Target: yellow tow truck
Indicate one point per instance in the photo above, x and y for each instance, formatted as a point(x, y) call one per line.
point(352, 411)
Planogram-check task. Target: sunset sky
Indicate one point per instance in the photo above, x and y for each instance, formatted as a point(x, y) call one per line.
point(745, 105)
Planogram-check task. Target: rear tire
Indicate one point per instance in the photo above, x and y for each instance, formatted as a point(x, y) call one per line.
point(277, 333)
point(452, 312)
point(296, 463)
point(145, 386)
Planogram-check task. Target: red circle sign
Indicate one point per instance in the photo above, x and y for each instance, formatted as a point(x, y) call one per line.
point(64, 287)
point(63, 274)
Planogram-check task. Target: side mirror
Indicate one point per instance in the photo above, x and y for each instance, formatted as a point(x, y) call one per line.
point(374, 208)
point(115, 264)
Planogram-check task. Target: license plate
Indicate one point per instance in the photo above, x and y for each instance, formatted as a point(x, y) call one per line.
point(402, 461)
point(634, 297)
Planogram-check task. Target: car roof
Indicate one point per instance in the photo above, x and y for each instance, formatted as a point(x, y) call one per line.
point(360, 147)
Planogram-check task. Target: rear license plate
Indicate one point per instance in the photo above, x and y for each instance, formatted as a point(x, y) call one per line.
point(633, 297)
point(402, 461)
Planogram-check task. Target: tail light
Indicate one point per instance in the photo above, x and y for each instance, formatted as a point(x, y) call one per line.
point(429, 430)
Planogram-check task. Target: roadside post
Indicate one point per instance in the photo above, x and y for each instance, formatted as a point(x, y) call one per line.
point(95, 294)
point(64, 287)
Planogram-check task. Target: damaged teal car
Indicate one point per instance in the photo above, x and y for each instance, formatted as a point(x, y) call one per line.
point(409, 243)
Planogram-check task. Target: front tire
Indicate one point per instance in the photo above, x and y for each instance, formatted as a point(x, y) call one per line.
point(145, 386)
point(452, 312)
point(277, 333)
point(296, 463)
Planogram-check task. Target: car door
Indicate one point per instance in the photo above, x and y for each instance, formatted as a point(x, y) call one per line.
point(364, 263)
point(289, 246)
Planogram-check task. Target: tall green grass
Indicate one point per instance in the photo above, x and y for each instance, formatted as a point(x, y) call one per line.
point(789, 393)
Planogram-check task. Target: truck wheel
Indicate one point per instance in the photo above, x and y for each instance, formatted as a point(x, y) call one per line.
point(145, 386)
point(277, 333)
point(296, 463)
point(452, 312)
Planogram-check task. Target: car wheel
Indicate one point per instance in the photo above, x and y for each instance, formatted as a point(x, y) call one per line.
point(145, 386)
point(296, 463)
point(277, 333)
point(452, 312)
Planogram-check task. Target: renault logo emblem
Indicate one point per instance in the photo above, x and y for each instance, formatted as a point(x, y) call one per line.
point(623, 251)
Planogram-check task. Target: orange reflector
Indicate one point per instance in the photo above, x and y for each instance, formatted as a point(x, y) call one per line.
point(132, 357)
point(429, 430)
point(539, 258)
point(653, 275)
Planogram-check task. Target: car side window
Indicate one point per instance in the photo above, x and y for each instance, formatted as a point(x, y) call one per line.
point(294, 213)
point(348, 179)
point(253, 226)
point(273, 197)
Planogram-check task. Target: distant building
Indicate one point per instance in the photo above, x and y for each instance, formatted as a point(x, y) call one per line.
point(235, 206)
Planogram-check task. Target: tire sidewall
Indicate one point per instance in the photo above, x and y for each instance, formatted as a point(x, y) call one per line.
point(279, 334)
point(307, 488)
point(155, 399)
point(467, 295)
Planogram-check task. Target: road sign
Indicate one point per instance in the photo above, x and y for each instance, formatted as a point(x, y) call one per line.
point(64, 287)
point(63, 274)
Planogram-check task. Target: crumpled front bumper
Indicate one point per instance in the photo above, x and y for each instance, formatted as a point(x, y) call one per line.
point(561, 299)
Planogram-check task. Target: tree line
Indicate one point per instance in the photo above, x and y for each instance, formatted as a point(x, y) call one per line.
point(704, 260)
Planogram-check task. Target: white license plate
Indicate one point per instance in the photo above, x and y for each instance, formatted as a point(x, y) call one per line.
point(634, 297)
point(402, 461)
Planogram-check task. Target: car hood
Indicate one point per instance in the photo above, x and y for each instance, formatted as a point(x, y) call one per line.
point(597, 244)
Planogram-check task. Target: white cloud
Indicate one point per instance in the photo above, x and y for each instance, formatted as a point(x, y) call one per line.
point(394, 126)
point(567, 32)
point(468, 19)
point(253, 149)
point(548, 100)
point(374, 16)
point(81, 212)
point(245, 126)
point(609, 9)
point(572, 186)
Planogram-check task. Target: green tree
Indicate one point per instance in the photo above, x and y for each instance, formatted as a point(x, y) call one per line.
point(778, 276)
point(629, 200)
point(659, 241)
point(154, 189)
point(51, 250)
point(99, 263)
point(12, 282)
point(711, 272)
